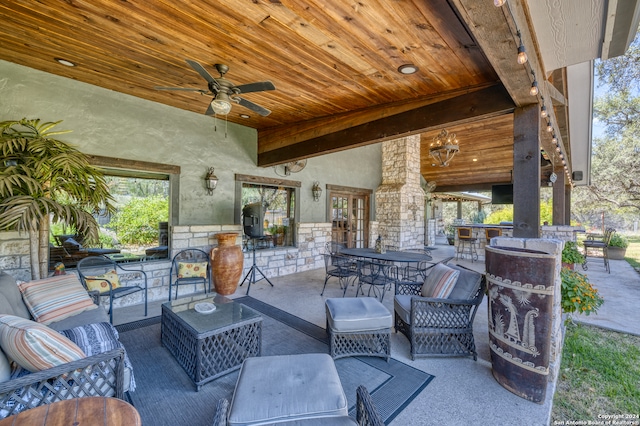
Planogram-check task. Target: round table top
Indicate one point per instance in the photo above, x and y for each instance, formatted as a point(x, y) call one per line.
point(94, 411)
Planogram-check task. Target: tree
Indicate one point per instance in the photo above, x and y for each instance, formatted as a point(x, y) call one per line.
point(43, 179)
point(615, 185)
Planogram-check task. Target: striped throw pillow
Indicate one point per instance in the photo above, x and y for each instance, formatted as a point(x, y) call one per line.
point(440, 282)
point(55, 298)
point(34, 346)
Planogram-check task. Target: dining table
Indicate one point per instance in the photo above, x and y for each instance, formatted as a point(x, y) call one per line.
point(388, 256)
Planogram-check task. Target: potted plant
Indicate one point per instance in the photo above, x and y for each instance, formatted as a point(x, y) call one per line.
point(617, 246)
point(43, 179)
point(577, 294)
point(571, 255)
point(450, 231)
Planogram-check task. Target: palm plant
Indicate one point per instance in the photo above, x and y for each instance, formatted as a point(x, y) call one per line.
point(44, 179)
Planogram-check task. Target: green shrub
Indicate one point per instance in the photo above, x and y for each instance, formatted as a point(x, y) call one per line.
point(571, 254)
point(578, 295)
point(137, 222)
point(618, 240)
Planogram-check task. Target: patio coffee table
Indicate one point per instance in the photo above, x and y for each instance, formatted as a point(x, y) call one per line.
point(210, 345)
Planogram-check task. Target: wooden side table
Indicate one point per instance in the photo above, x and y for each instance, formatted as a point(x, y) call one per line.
point(93, 411)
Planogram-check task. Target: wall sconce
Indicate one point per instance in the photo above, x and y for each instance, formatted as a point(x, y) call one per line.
point(211, 181)
point(316, 190)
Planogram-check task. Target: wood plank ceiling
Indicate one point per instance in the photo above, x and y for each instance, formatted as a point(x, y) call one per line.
point(334, 64)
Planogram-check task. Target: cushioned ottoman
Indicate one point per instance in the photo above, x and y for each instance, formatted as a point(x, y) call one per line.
point(284, 388)
point(358, 326)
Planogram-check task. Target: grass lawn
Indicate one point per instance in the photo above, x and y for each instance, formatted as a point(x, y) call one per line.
point(599, 374)
point(600, 371)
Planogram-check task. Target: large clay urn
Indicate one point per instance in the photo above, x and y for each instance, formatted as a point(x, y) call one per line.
point(226, 263)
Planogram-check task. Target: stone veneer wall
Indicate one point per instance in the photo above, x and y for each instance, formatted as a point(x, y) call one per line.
point(14, 255)
point(551, 246)
point(275, 262)
point(400, 199)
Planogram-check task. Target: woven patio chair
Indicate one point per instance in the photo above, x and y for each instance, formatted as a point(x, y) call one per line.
point(598, 243)
point(440, 327)
point(190, 266)
point(341, 267)
point(111, 279)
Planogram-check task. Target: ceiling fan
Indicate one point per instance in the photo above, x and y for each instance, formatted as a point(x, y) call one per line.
point(224, 92)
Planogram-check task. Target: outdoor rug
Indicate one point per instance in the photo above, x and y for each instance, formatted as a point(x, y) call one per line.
point(166, 396)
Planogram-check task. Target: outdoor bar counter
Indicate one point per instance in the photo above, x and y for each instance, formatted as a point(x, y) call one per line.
point(478, 231)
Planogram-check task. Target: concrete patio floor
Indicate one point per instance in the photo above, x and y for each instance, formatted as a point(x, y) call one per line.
point(463, 391)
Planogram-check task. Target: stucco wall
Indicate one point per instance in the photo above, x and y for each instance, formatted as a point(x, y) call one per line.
point(107, 123)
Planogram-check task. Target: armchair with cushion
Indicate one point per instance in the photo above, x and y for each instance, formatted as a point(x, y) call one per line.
point(110, 279)
point(437, 315)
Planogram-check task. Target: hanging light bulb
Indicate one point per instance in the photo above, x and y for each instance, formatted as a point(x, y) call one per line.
point(534, 88)
point(543, 111)
point(498, 3)
point(554, 139)
point(522, 55)
point(549, 126)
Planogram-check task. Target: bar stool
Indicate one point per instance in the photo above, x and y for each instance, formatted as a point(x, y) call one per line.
point(466, 239)
point(492, 232)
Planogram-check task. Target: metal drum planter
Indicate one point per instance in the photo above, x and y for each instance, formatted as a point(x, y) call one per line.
point(520, 284)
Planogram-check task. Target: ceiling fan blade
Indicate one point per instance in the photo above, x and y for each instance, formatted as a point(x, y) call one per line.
point(185, 89)
point(259, 86)
point(203, 73)
point(253, 107)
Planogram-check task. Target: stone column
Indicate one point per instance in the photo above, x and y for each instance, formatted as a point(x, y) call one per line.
point(400, 199)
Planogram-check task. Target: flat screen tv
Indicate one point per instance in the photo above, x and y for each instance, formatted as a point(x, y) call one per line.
point(252, 220)
point(502, 194)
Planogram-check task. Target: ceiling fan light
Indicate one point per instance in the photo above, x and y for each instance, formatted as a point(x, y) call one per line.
point(221, 105)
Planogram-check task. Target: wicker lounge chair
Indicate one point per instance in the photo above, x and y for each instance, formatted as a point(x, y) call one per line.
point(440, 327)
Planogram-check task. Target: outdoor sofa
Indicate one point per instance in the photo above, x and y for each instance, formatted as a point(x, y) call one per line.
point(38, 364)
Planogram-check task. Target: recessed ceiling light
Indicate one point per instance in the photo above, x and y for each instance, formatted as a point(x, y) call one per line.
point(65, 62)
point(245, 116)
point(407, 69)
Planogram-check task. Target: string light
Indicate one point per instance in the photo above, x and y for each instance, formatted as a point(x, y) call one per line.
point(498, 3)
point(549, 126)
point(534, 88)
point(543, 111)
point(522, 55)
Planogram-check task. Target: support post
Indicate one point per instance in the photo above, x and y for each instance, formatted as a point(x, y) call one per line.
point(526, 172)
point(558, 197)
point(567, 205)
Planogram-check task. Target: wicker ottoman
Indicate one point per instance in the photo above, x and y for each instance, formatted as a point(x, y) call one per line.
point(358, 326)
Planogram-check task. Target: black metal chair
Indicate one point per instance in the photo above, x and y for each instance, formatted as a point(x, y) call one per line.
point(341, 267)
point(332, 247)
point(378, 276)
point(598, 243)
point(111, 279)
point(183, 270)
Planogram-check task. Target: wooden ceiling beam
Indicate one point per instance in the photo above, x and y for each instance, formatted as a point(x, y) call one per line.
point(486, 103)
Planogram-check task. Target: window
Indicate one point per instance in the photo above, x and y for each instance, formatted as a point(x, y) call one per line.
point(267, 209)
point(137, 231)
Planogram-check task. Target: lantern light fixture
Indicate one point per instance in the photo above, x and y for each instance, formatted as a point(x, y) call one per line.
point(316, 191)
point(211, 181)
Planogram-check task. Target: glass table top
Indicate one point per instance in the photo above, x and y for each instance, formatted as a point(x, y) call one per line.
point(227, 312)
